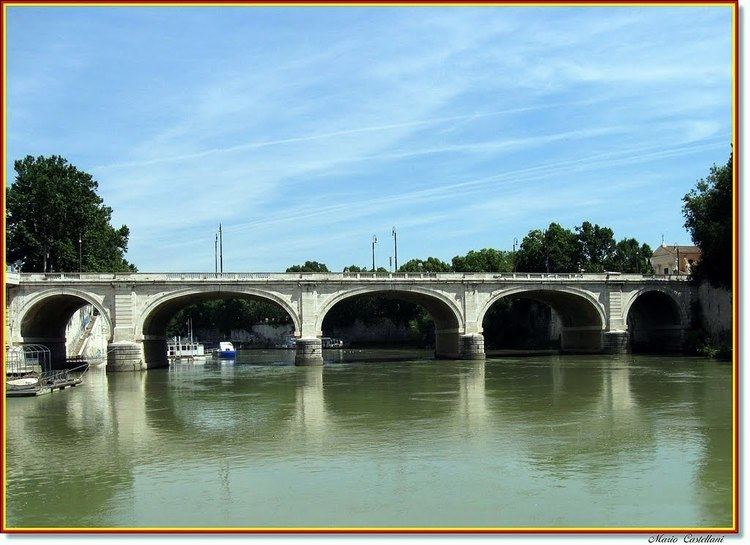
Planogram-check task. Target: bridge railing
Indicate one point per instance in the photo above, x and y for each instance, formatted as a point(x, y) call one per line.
point(337, 276)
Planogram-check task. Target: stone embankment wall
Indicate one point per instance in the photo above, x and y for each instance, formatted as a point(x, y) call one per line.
point(716, 312)
point(260, 334)
point(80, 342)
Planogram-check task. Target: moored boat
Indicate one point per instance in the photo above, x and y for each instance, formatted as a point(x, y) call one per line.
point(226, 350)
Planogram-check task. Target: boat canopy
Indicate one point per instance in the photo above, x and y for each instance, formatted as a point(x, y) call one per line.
point(223, 346)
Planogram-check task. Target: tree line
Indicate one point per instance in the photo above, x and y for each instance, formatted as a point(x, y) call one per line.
point(586, 248)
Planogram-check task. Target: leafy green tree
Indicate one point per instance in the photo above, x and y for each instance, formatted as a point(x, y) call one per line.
point(708, 216)
point(54, 217)
point(309, 266)
point(597, 246)
point(630, 257)
point(431, 264)
point(355, 269)
point(484, 260)
point(554, 250)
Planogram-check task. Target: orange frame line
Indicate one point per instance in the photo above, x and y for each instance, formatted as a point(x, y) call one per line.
point(734, 529)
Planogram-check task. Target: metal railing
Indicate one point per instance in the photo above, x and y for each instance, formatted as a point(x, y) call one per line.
point(341, 276)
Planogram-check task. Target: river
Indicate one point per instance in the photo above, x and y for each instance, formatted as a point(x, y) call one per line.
point(545, 441)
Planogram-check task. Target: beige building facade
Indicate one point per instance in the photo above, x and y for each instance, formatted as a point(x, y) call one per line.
point(675, 260)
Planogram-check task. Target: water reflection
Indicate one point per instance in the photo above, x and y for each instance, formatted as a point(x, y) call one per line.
point(595, 440)
point(310, 415)
point(471, 406)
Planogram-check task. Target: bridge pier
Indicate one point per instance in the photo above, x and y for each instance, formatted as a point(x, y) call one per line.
point(471, 347)
point(309, 351)
point(615, 342)
point(125, 356)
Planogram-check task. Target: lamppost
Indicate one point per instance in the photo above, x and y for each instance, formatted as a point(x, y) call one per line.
point(221, 250)
point(216, 253)
point(515, 241)
point(374, 242)
point(395, 249)
point(677, 268)
point(80, 251)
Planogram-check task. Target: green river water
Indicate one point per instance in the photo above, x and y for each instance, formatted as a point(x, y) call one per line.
point(548, 441)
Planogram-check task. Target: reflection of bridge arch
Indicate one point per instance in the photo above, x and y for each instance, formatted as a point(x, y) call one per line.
point(447, 315)
point(656, 320)
point(583, 317)
point(153, 320)
point(44, 317)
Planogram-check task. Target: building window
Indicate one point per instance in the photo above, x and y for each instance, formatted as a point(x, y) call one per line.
point(666, 270)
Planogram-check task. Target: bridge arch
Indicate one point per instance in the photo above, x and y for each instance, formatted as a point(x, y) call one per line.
point(668, 297)
point(445, 312)
point(153, 319)
point(583, 316)
point(44, 317)
point(656, 320)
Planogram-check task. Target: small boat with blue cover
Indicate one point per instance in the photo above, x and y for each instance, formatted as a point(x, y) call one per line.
point(226, 350)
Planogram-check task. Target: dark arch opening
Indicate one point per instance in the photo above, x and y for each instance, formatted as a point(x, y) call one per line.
point(235, 313)
point(48, 322)
point(542, 319)
point(394, 319)
point(655, 323)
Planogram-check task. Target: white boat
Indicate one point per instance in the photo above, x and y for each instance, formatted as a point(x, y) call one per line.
point(225, 350)
point(178, 348)
point(189, 348)
point(328, 342)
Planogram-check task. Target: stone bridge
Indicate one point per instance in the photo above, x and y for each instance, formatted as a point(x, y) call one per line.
point(599, 312)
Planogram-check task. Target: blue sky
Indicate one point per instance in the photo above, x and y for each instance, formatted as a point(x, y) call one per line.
point(307, 130)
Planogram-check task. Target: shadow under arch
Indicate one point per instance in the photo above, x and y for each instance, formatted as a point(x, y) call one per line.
point(44, 320)
point(582, 316)
point(444, 312)
point(656, 321)
point(152, 325)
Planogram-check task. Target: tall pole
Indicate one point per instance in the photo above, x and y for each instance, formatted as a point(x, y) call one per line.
point(80, 251)
point(216, 253)
point(395, 249)
point(515, 241)
point(374, 242)
point(221, 250)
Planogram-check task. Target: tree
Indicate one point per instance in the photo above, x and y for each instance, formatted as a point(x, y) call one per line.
point(309, 266)
point(708, 216)
point(55, 221)
point(597, 246)
point(630, 257)
point(355, 269)
point(484, 260)
point(555, 250)
point(431, 264)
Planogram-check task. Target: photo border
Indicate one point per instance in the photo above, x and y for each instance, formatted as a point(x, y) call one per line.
point(734, 529)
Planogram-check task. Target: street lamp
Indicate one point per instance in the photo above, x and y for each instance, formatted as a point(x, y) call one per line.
point(374, 242)
point(395, 249)
point(515, 241)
